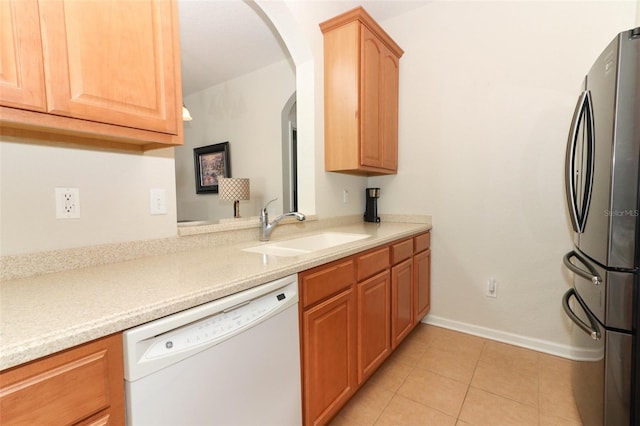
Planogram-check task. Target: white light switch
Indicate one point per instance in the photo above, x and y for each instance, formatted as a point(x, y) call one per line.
point(158, 201)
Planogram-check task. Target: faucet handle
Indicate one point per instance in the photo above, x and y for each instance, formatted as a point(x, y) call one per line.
point(264, 209)
point(263, 213)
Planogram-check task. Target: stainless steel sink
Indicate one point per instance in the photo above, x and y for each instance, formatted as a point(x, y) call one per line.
point(308, 244)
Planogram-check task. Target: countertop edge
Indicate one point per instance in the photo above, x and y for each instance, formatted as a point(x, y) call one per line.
point(32, 348)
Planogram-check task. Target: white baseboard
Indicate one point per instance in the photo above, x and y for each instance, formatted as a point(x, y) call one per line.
point(539, 345)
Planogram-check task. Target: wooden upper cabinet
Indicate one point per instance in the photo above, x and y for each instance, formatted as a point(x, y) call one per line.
point(361, 73)
point(379, 144)
point(111, 70)
point(389, 107)
point(21, 68)
point(371, 96)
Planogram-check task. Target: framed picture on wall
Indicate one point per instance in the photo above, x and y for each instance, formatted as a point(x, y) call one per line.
point(211, 163)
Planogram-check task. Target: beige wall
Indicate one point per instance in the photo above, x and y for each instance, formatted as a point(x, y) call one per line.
point(114, 195)
point(487, 95)
point(246, 112)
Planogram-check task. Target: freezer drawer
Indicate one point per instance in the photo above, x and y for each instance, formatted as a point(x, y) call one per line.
point(601, 370)
point(608, 294)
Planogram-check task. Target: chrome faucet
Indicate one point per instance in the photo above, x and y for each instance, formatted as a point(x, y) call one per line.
point(266, 228)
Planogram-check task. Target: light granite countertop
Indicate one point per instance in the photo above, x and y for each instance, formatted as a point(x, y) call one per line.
point(47, 313)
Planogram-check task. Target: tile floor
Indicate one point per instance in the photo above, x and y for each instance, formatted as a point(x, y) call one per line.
point(442, 377)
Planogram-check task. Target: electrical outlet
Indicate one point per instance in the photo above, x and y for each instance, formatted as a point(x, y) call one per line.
point(345, 196)
point(492, 288)
point(67, 203)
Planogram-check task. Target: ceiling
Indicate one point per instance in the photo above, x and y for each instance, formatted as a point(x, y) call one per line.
point(222, 39)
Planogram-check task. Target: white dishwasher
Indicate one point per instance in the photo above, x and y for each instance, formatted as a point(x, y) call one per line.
point(233, 361)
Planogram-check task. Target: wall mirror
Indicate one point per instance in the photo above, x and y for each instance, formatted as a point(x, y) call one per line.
point(239, 84)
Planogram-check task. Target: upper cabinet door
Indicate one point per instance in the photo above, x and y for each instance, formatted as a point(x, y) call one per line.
point(21, 69)
point(360, 95)
point(371, 96)
point(111, 62)
point(379, 92)
point(389, 106)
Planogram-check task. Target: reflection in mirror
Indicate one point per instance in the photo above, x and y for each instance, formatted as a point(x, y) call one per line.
point(238, 84)
point(289, 156)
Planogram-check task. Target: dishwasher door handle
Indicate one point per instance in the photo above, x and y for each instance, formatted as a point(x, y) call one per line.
point(239, 305)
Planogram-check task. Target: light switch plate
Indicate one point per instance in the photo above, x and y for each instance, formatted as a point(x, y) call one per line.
point(158, 201)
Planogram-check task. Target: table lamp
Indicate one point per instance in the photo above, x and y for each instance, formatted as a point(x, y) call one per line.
point(234, 189)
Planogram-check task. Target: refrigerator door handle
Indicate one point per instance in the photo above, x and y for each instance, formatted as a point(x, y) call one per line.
point(591, 274)
point(592, 328)
point(584, 109)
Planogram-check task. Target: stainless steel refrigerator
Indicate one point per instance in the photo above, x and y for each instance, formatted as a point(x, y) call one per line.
point(602, 181)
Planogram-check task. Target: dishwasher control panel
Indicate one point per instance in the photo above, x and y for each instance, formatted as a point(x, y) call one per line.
point(152, 346)
point(217, 327)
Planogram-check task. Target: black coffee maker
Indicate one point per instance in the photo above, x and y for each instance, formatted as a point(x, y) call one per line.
point(371, 212)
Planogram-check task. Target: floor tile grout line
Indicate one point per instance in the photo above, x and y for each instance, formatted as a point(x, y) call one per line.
point(414, 366)
point(468, 385)
point(539, 392)
point(382, 411)
point(466, 394)
point(395, 392)
point(537, 378)
point(478, 362)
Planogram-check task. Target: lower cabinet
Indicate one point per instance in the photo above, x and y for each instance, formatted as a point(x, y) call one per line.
point(329, 355)
point(421, 283)
point(353, 313)
point(401, 301)
point(328, 339)
point(80, 386)
point(422, 275)
point(373, 324)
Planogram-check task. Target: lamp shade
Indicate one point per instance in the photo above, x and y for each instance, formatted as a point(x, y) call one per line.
point(233, 189)
point(186, 115)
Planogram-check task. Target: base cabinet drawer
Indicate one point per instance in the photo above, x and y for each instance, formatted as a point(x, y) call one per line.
point(421, 242)
point(321, 282)
point(372, 262)
point(82, 385)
